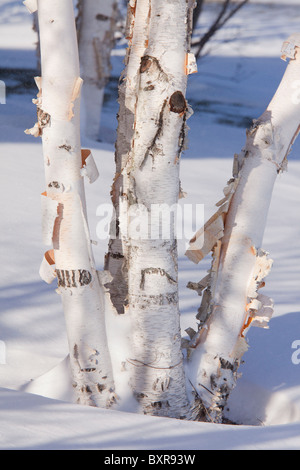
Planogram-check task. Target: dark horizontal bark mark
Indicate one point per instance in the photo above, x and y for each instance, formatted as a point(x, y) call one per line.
point(73, 278)
point(101, 17)
point(147, 301)
point(160, 271)
point(54, 184)
point(66, 147)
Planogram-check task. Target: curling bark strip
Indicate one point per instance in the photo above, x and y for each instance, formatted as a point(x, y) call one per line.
point(65, 218)
point(231, 301)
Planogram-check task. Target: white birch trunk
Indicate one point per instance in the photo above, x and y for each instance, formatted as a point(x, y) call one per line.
point(232, 301)
point(64, 210)
point(152, 175)
point(96, 28)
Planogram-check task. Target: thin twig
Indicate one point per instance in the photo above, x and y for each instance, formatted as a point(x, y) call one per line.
point(137, 363)
point(200, 400)
point(220, 21)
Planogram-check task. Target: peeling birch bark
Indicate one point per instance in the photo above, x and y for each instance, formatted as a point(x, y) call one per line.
point(151, 171)
point(232, 301)
point(64, 211)
point(96, 25)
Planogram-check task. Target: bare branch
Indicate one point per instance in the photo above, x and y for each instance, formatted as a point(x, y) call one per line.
point(224, 16)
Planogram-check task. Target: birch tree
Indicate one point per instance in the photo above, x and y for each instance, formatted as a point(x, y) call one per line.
point(151, 138)
point(64, 224)
point(96, 23)
point(232, 300)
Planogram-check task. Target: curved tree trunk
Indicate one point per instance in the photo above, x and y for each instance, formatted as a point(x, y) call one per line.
point(96, 23)
point(232, 302)
point(64, 210)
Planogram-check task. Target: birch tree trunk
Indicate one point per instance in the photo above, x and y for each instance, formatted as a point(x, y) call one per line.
point(96, 27)
point(64, 210)
point(232, 301)
point(157, 77)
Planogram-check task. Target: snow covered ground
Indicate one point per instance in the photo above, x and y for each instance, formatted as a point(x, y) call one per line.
point(234, 85)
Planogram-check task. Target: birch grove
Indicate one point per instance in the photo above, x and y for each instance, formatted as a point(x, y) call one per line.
point(96, 23)
point(232, 300)
point(64, 223)
point(140, 278)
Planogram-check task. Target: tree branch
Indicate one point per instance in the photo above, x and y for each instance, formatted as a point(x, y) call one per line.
point(223, 17)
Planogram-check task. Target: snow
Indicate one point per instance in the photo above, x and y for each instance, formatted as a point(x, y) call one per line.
point(234, 84)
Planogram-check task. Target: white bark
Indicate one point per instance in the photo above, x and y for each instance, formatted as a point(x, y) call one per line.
point(64, 210)
point(232, 301)
point(96, 28)
point(152, 175)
